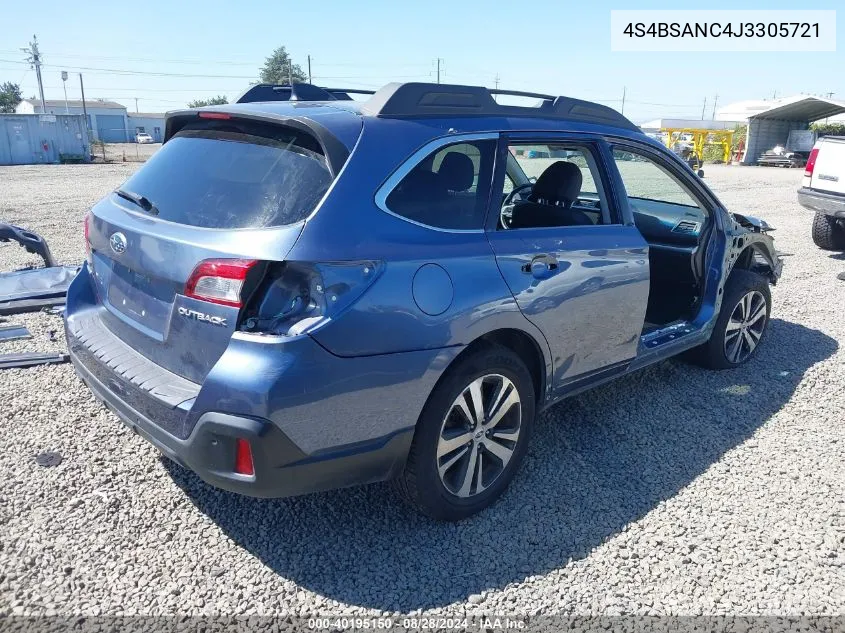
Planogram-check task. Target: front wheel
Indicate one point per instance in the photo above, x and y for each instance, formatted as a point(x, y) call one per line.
point(742, 322)
point(471, 437)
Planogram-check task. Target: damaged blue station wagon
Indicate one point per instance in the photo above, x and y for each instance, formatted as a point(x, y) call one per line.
point(301, 292)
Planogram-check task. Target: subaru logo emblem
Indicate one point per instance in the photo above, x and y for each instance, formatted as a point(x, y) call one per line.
point(118, 242)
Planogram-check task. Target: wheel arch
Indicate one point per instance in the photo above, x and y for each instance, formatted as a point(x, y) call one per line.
point(523, 345)
point(757, 258)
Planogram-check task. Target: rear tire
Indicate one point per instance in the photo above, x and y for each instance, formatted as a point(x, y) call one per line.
point(742, 323)
point(828, 233)
point(459, 465)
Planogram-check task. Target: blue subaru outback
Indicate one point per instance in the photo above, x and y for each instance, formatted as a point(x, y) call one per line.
point(301, 292)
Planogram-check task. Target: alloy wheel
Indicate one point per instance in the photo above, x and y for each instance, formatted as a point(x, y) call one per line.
point(479, 435)
point(745, 327)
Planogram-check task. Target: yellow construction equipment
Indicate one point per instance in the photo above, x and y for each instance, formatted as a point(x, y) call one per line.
point(700, 138)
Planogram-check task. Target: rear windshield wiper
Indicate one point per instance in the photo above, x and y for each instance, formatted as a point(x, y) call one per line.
point(142, 201)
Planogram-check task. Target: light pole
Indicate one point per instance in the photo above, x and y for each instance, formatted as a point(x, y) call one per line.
point(64, 86)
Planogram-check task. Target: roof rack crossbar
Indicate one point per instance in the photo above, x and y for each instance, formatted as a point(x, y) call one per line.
point(354, 91)
point(297, 92)
point(521, 93)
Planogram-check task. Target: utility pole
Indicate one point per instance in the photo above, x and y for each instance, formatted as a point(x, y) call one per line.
point(84, 109)
point(624, 90)
point(703, 108)
point(309, 69)
point(290, 72)
point(64, 87)
point(496, 83)
point(35, 60)
point(438, 70)
point(136, 105)
point(715, 101)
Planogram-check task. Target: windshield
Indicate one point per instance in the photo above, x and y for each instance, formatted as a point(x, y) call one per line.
point(221, 179)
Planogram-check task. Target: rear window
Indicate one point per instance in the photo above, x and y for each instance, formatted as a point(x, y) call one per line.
point(230, 178)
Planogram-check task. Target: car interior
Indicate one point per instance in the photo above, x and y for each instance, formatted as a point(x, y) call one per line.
point(675, 224)
point(441, 190)
point(551, 185)
point(669, 218)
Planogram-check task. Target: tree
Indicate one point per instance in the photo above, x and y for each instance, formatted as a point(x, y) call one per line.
point(277, 69)
point(825, 129)
point(218, 100)
point(10, 97)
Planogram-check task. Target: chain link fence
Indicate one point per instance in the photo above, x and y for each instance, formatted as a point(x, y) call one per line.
point(122, 152)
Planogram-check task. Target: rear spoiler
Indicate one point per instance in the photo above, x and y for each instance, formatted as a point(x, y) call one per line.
point(334, 150)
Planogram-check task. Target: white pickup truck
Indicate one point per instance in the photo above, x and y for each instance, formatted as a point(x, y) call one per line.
point(823, 191)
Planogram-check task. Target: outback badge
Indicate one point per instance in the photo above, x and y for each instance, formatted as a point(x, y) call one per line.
point(196, 315)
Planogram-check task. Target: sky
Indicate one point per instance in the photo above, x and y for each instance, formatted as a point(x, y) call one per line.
point(165, 54)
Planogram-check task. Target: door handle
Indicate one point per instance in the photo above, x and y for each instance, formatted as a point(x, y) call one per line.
point(541, 266)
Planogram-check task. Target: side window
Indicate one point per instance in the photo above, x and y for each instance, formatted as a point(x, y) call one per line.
point(448, 189)
point(552, 185)
point(646, 180)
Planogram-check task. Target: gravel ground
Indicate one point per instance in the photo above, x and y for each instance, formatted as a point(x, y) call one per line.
point(672, 491)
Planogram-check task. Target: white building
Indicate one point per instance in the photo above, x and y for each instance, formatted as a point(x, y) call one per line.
point(151, 123)
point(108, 120)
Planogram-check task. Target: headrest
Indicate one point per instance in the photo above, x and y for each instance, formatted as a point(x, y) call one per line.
point(456, 171)
point(560, 182)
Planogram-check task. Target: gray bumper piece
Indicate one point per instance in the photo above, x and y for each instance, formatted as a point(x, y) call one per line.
point(9, 361)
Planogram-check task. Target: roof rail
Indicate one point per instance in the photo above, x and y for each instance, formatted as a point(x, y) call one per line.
point(415, 100)
point(297, 92)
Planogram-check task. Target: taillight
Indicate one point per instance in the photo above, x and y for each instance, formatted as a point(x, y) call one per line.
point(299, 296)
point(243, 457)
point(219, 281)
point(811, 162)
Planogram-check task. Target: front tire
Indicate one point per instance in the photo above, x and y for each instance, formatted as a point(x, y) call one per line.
point(471, 436)
point(742, 323)
point(828, 233)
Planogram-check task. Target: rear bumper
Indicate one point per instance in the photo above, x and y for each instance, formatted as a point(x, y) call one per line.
point(281, 468)
point(832, 204)
point(314, 421)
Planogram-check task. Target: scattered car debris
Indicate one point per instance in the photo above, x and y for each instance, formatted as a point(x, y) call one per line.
point(33, 288)
point(14, 332)
point(9, 361)
point(32, 242)
point(49, 459)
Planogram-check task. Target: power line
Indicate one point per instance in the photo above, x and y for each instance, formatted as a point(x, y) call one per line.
point(34, 60)
point(227, 62)
point(117, 71)
point(147, 90)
